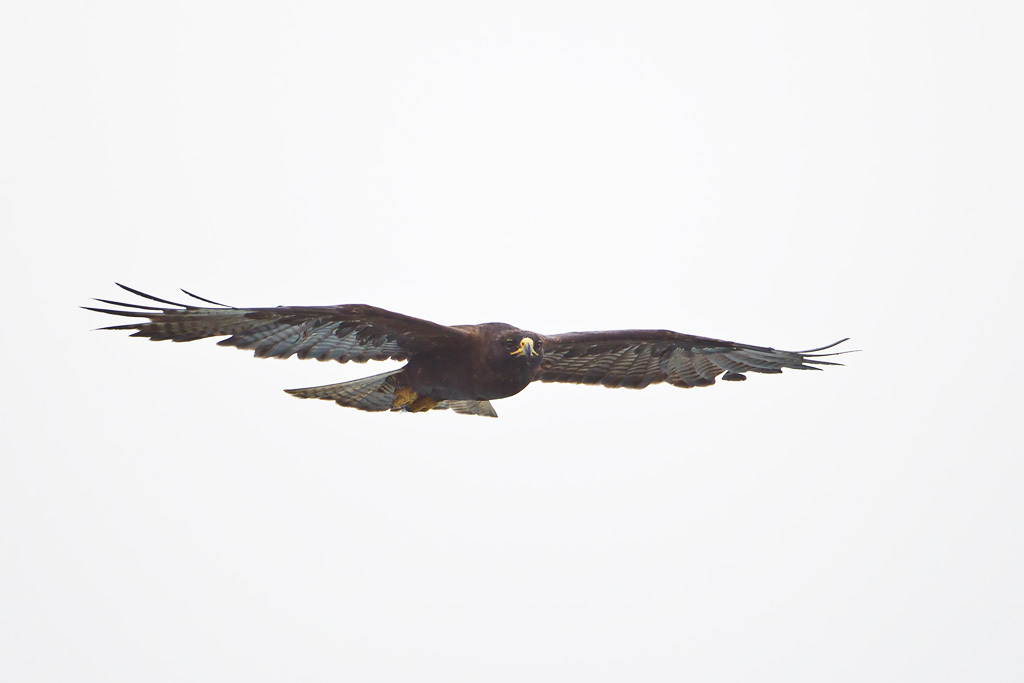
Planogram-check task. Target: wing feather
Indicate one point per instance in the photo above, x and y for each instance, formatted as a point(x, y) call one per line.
point(346, 332)
point(637, 358)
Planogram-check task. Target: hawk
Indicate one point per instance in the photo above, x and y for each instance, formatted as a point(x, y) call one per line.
point(460, 367)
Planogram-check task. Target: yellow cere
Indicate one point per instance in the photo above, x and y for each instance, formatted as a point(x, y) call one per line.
point(525, 346)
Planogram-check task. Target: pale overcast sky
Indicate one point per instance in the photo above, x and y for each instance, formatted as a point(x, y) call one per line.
point(783, 174)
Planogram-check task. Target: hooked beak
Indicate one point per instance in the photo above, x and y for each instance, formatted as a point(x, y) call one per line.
point(525, 348)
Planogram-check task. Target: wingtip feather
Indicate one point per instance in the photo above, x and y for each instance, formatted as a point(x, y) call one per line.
point(150, 296)
point(111, 311)
point(196, 296)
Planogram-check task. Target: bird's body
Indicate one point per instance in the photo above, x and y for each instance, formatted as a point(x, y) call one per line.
point(460, 367)
point(474, 372)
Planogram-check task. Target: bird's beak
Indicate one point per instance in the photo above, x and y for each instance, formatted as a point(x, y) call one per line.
point(525, 348)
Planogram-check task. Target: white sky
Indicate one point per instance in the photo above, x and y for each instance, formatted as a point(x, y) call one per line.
point(775, 173)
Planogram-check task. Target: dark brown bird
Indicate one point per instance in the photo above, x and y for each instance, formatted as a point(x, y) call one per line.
point(462, 367)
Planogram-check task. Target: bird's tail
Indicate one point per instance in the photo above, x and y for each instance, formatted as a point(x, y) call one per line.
point(483, 408)
point(377, 393)
point(373, 393)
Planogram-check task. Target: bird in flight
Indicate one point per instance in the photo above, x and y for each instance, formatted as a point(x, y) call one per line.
point(460, 367)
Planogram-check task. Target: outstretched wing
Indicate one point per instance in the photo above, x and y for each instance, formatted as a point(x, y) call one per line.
point(347, 332)
point(636, 358)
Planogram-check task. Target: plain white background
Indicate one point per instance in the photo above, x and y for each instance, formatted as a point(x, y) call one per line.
point(782, 174)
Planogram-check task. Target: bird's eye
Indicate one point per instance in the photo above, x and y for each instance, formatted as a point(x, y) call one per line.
point(510, 343)
point(540, 343)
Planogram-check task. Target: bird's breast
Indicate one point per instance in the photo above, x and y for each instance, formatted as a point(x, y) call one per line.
point(461, 378)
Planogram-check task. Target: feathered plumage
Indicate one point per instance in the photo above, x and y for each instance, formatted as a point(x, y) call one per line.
point(461, 367)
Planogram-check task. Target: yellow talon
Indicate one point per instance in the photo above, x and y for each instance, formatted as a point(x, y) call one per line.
point(404, 396)
point(423, 403)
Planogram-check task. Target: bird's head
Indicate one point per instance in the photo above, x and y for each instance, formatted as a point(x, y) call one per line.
point(511, 347)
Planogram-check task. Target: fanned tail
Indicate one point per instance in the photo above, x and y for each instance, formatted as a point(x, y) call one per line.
point(377, 393)
point(482, 408)
point(374, 393)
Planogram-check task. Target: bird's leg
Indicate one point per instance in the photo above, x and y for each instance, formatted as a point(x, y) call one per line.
point(423, 403)
point(404, 396)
